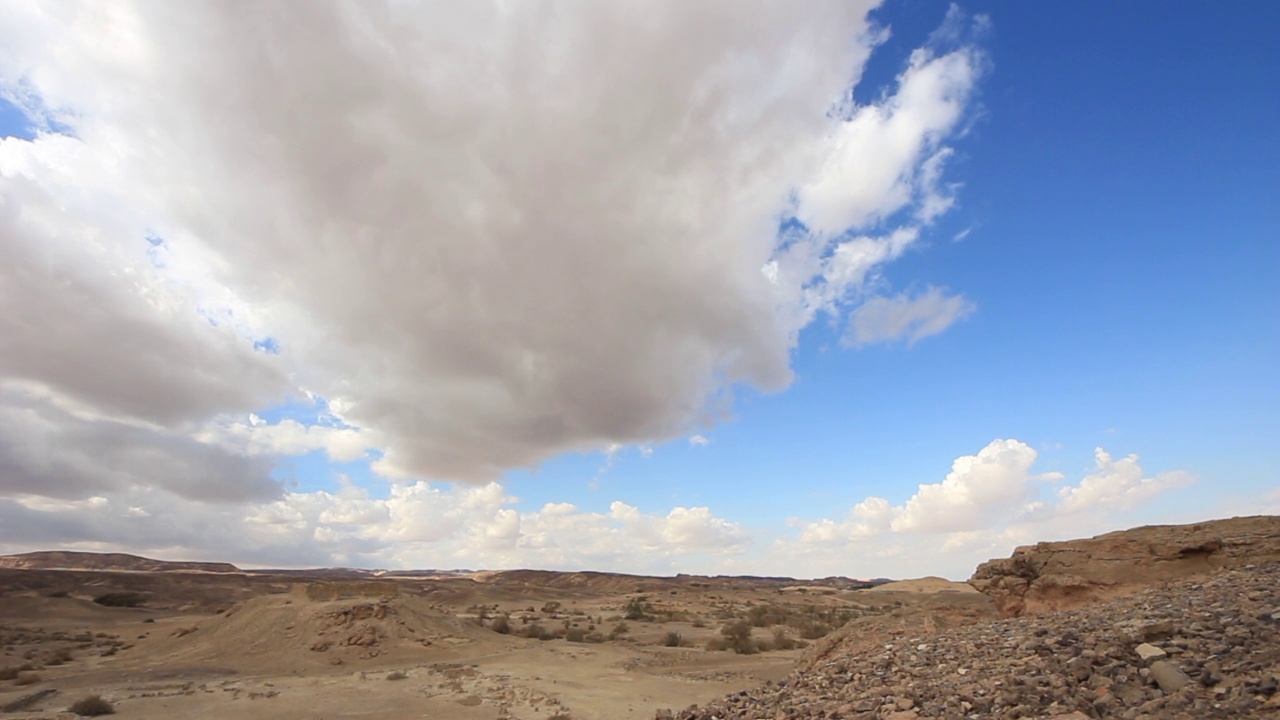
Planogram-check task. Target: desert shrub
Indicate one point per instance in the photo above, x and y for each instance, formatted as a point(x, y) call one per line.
point(396, 675)
point(783, 641)
point(575, 635)
point(58, 657)
point(91, 706)
point(148, 620)
point(766, 615)
point(120, 599)
point(59, 594)
point(9, 673)
point(27, 678)
point(593, 637)
point(637, 609)
point(716, 644)
point(618, 631)
point(737, 636)
point(672, 639)
point(699, 623)
point(501, 625)
point(551, 607)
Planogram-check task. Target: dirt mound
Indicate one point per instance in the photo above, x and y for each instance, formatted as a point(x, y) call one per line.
point(294, 631)
point(1061, 575)
point(924, 585)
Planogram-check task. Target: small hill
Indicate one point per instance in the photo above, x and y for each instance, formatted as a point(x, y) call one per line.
point(1052, 576)
point(313, 629)
point(924, 585)
point(111, 562)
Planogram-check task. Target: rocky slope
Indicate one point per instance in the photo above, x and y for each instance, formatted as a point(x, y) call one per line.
point(1193, 648)
point(1060, 575)
point(68, 560)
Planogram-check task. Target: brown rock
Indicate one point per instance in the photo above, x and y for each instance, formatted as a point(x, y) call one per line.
point(1168, 676)
point(1062, 575)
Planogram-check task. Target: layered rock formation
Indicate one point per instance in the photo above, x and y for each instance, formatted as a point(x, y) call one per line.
point(1061, 575)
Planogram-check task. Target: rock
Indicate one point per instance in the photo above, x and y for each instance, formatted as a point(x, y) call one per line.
point(1148, 652)
point(1168, 676)
point(1062, 575)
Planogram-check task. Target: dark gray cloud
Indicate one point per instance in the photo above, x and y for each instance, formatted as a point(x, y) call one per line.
point(47, 451)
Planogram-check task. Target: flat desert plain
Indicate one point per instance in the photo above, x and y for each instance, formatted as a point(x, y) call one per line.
point(519, 644)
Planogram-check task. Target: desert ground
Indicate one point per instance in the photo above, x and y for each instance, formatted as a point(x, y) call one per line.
point(520, 644)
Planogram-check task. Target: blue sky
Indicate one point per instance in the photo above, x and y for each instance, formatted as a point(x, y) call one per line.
point(543, 338)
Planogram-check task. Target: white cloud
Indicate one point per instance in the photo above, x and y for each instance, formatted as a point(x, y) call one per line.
point(418, 525)
point(699, 441)
point(1116, 485)
point(886, 319)
point(546, 238)
point(988, 504)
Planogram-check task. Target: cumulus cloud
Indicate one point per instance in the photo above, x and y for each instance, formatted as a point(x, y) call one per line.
point(546, 237)
point(699, 440)
point(418, 526)
point(886, 319)
point(988, 504)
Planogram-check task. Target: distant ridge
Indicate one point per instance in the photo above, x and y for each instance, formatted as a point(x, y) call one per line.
point(107, 562)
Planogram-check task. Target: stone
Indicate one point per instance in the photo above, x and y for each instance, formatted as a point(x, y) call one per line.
point(1148, 652)
point(1168, 676)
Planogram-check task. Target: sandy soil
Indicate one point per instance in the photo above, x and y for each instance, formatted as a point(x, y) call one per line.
point(415, 651)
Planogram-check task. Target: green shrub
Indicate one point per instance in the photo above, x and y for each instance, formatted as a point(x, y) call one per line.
point(120, 599)
point(91, 706)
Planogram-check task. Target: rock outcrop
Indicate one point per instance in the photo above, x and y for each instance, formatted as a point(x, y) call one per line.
point(1061, 575)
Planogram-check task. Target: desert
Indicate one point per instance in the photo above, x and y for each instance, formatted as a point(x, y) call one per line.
point(1162, 622)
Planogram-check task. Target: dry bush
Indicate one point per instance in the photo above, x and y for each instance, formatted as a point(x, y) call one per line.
point(673, 639)
point(27, 678)
point(91, 706)
point(575, 635)
point(59, 657)
point(782, 641)
point(737, 635)
point(501, 625)
point(397, 675)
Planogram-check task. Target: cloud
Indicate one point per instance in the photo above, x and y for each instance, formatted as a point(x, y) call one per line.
point(988, 504)
point(1116, 485)
point(49, 450)
point(418, 526)
point(546, 238)
point(886, 319)
point(699, 440)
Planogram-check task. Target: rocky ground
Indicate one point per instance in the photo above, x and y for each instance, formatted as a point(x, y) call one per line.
point(1195, 648)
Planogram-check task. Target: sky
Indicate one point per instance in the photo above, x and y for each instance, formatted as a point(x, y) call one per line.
point(858, 289)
